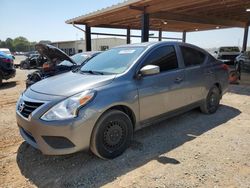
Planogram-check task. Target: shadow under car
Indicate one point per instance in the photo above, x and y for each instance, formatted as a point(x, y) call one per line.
point(85, 170)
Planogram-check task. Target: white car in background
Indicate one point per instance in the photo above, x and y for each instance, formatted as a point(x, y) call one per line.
point(227, 54)
point(7, 52)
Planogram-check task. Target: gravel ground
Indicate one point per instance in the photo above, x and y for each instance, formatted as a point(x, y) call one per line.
point(190, 150)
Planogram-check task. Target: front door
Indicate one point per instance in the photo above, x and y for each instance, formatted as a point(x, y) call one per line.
point(162, 92)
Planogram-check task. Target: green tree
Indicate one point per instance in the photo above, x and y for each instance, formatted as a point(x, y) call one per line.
point(2, 44)
point(9, 44)
point(32, 46)
point(21, 44)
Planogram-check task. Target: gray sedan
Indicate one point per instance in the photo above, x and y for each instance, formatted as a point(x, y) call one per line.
point(117, 92)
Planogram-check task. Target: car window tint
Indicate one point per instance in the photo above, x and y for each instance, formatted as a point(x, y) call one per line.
point(191, 56)
point(164, 57)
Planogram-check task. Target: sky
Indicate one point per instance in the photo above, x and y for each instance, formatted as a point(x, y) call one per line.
point(45, 20)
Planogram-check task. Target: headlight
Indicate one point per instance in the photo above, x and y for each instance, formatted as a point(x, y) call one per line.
point(69, 107)
point(19, 101)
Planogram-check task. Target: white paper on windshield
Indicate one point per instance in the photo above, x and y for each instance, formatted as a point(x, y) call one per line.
point(126, 51)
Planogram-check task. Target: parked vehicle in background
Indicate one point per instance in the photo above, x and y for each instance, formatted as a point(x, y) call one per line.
point(33, 61)
point(7, 52)
point(30, 53)
point(7, 69)
point(228, 54)
point(242, 62)
point(58, 62)
point(117, 92)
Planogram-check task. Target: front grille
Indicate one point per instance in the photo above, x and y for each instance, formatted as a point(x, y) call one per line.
point(28, 108)
point(229, 57)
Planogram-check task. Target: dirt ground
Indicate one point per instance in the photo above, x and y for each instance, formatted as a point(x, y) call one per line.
point(190, 150)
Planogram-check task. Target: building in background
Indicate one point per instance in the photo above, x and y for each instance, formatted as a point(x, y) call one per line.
point(98, 44)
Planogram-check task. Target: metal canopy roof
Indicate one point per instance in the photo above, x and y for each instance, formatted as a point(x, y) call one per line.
point(171, 15)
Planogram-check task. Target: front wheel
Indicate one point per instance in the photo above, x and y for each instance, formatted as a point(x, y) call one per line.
point(25, 65)
point(112, 134)
point(212, 101)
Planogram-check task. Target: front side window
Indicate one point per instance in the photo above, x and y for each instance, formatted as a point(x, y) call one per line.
point(164, 57)
point(191, 56)
point(113, 61)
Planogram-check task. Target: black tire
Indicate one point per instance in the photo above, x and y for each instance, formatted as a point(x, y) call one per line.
point(25, 65)
point(1, 79)
point(112, 134)
point(212, 101)
point(238, 68)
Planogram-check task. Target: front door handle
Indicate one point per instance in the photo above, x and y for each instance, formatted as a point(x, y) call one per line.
point(178, 80)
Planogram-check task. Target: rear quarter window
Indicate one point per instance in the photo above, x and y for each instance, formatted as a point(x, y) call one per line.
point(192, 57)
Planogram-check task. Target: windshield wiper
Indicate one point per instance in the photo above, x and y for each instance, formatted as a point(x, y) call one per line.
point(92, 72)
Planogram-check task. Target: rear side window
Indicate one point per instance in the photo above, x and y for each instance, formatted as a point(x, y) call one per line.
point(191, 56)
point(164, 57)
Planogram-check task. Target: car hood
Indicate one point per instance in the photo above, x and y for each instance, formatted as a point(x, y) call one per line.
point(70, 83)
point(52, 53)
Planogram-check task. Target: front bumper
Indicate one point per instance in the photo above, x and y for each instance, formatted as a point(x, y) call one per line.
point(58, 137)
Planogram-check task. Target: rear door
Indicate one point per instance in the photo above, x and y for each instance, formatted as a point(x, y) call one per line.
point(163, 92)
point(195, 73)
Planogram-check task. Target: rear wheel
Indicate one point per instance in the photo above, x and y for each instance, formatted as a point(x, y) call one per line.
point(238, 68)
point(112, 134)
point(212, 102)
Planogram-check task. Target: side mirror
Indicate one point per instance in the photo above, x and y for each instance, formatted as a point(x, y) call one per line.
point(216, 52)
point(149, 70)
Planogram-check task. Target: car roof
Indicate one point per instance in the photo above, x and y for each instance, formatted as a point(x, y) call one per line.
point(4, 49)
point(151, 44)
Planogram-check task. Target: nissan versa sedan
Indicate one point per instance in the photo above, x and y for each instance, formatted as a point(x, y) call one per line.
point(117, 92)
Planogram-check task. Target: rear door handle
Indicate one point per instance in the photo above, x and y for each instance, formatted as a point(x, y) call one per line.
point(178, 80)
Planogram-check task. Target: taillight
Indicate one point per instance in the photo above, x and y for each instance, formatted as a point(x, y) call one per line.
point(225, 67)
point(6, 60)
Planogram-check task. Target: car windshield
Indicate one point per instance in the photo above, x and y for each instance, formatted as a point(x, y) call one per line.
point(114, 61)
point(229, 49)
point(77, 58)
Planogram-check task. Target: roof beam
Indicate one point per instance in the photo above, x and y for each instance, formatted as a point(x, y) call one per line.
point(195, 19)
point(137, 8)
